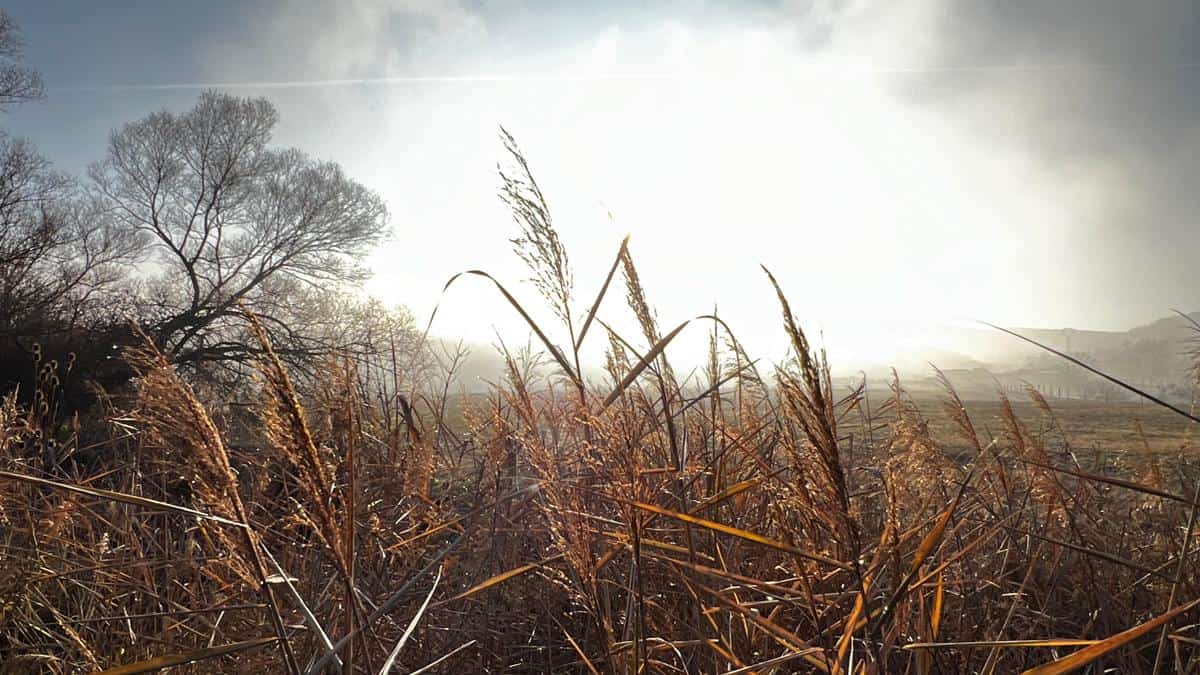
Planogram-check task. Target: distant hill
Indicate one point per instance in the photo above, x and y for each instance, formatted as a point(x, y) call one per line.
point(1153, 353)
point(1174, 328)
point(1156, 355)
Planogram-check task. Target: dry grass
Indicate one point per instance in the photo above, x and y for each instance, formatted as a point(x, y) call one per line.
point(760, 522)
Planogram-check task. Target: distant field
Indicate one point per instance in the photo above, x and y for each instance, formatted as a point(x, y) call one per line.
point(1087, 425)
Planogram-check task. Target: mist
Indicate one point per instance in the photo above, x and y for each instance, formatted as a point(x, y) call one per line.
point(701, 336)
point(1009, 165)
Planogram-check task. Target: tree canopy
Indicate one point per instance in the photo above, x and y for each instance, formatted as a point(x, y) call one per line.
point(232, 224)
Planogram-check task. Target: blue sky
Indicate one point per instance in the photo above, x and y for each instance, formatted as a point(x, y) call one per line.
point(77, 46)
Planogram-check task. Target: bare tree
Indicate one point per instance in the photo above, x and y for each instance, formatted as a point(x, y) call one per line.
point(61, 261)
point(389, 353)
point(222, 222)
point(62, 281)
point(57, 249)
point(233, 224)
point(17, 84)
point(62, 264)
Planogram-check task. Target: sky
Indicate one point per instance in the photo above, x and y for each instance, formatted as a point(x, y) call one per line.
point(900, 165)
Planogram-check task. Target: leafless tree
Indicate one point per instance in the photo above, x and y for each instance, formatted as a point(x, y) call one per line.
point(17, 84)
point(389, 353)
point(57, 250)
point(234, 224)
point(61, 262)
point(219, 221)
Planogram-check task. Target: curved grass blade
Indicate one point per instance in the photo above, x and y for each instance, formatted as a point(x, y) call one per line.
point(119, 497)
point(160, 662)
point(935, 619)
point(388, 605)
point(166, 614)
point(587, 322)
point(739, 533)
point(726, 494)
point(781, 635)
point(1088, 654)
point(1095, 371)
point(1115, 559)
point(785, 638)
point(412, 625)
point(625, 541)
point(736, 343)
point(702, 396)
point(309, 617)
point(642, 364)
point(927, 546)
point(443, 657)
point(1116, 482)
point(554, 351)
point(790, 656)
point(1003, 644)
point(500, 578)
point(740, 579)
point(578, 650)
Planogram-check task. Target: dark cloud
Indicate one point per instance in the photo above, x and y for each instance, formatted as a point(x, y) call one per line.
point(1086, 79)
point(1104, 93)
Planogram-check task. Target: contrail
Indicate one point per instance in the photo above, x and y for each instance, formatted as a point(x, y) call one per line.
point(812, 69)
point(348, 82)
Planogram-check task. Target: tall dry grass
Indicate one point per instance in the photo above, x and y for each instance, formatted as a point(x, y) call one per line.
point(752, 522)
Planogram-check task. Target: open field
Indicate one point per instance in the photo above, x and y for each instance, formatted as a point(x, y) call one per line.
point(617, 527)
point(1089, 426)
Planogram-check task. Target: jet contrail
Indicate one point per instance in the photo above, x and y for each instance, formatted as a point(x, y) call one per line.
point(838, 69)
point(347, 82)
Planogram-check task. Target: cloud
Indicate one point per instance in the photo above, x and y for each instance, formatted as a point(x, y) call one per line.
point(926, 158)
point(1088, 81)
point(1105, 94)
point(314, 40)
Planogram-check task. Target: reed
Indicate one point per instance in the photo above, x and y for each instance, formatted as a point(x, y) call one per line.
point(724, 522)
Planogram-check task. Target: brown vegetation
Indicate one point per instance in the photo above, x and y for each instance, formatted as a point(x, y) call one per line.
point(759, 522)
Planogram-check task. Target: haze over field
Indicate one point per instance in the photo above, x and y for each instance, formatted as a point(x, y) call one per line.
point(917, 164)
point(406, 336)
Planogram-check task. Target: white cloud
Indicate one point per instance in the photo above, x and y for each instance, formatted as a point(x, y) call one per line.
point(718, 143)
point(314, 40)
